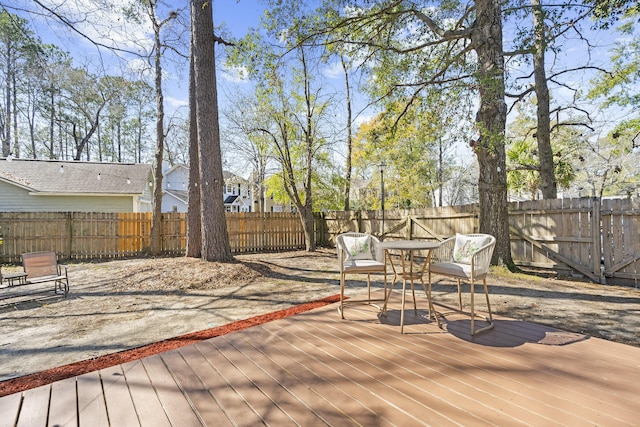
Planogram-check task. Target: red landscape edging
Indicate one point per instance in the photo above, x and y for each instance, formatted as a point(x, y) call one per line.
point(20, 384)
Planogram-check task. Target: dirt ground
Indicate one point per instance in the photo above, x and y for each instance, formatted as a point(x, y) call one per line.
point(123, 304)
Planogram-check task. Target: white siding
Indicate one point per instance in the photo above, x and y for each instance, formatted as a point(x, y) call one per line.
point(178, 179)
point(16, 199)
point(169, 201)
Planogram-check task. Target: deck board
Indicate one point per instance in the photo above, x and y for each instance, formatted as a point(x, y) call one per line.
point(318, 369)
point(318, 377)
point(407, 373)
point(193, 388)
point(10, 408)
point(92, 409)
point(212, 380)
point(174, 402)
point(117, 397)
point(31, 413)
point(143, 396)
point(63, 404)
point(241, 387)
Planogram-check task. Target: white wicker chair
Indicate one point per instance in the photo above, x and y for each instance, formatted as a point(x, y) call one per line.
point(369, 261)
point(472, 264)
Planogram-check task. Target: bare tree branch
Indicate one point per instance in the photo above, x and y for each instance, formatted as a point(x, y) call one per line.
point(70, 25)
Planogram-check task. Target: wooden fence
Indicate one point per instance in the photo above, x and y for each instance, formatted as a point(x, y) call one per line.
point(587, 237)
point(593, 238)
point(82, 236)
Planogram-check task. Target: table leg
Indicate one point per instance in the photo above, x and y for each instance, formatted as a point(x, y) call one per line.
point(413, 288)
point(395, 277)
point(404, 290)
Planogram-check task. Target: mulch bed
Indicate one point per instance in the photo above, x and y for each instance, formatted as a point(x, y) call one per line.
point(17, 385)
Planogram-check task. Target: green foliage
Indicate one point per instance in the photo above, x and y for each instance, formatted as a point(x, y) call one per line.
point(609, 12)
point(290, 106)
point(416, 145)
point(523, 176)
point(619, 86)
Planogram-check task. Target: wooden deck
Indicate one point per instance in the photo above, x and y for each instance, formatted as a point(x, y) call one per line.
point(316, 369)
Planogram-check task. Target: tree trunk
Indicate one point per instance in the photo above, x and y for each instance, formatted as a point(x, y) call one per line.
point(14, 101)
point(491, 121)
point(156, 224)
point(52, 123)
point(307, 220)
point(308, 223)
point(440, 172)
point(548, 183)
point(6, 141)
point(215, 238)
point(194, 224)
point(347, 178)
point(82, 143)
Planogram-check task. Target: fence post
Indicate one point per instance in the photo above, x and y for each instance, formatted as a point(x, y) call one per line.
point(69, 235)
point(324, 230)
point(596, 236)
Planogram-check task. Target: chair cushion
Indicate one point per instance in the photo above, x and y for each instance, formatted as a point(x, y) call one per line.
point(454, 269)
point(465, 246)
point(363, 265)
point(357, 247)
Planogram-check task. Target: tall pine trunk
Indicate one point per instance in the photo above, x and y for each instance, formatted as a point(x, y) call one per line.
point(194, 223)
point(491, 122)
point(156, 225)
point(215, 239)
point(548, 182)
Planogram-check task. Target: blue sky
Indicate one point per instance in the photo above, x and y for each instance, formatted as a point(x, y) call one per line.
point(237, 16)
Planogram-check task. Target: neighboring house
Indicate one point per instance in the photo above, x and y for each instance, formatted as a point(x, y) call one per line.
point(175, 189)
point(238, 195)
point(361, 193)
point(68, 186)
point(272, 206)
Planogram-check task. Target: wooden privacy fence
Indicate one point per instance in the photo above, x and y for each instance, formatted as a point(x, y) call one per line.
point(595, 238)
point(587, 236)
point(81, 235)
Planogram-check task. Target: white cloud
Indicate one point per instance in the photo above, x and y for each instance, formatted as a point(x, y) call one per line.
point(333, 70)
point(359, 120)
point(235, 74)
point(176, 103)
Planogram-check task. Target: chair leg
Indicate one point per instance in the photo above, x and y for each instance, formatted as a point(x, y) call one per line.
point(385, 283)
point(486, 294)
point(369, 288)
point(473, 311)
point(490, 319)
point(459, 295)
point(342, 295)
point(413, 293)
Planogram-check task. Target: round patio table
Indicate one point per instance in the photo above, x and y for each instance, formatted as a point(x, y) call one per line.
point(409, 271)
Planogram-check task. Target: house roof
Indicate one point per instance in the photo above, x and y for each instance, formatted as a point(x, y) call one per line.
point(232, 177)
point(69, 177)
point(181, 195)
point(230, 199)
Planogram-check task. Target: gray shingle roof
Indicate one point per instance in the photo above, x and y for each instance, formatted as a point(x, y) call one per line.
point(53, 176)
point(181, 195)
